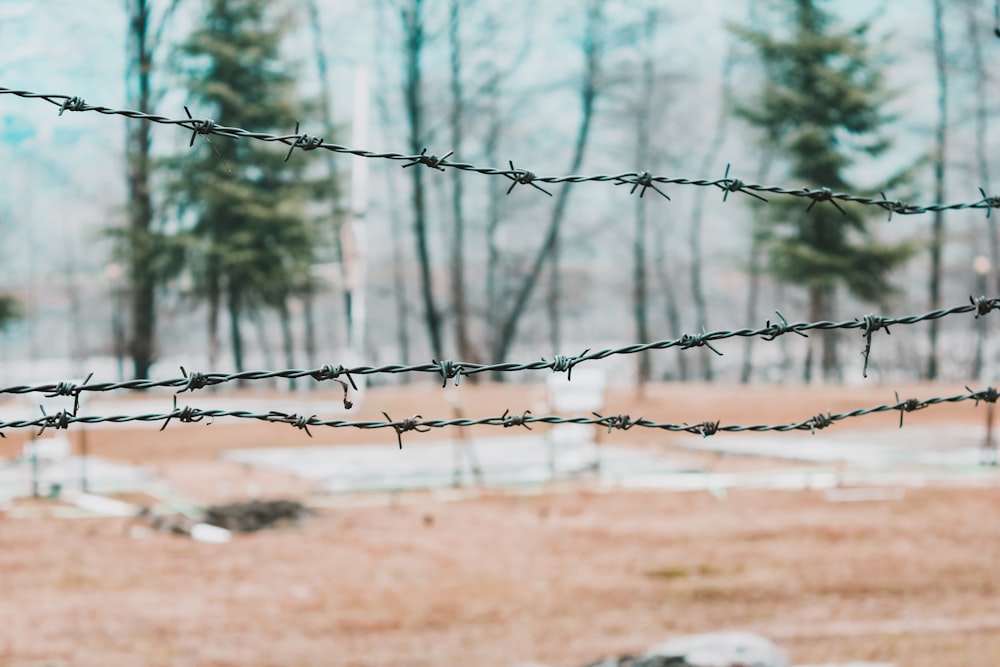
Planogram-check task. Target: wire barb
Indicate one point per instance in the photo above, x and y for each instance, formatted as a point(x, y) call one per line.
point(331, 372)
point(729, 185)
point(60, 420)
point(510, 421)
point(432, 161)
point(706, 428)
point(644, 180)
point(204, 126)
point(562, 364)
point(772, 331)
point(823, 194)
point(410, 424)
point(620, 422)
point(909, 405)
point(70, 389)
point(688, 341)
point(306, 142)
point(193, 382)
point(298, 421)
point(820, 422)
point(185, 415)
point(983, 305)
point(522, 177)
point(988, 395)
point(449, 369)
point(872, 323)
point(73, 104)
point(893, 206)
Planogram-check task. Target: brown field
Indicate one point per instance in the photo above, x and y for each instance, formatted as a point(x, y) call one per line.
point(561, 575)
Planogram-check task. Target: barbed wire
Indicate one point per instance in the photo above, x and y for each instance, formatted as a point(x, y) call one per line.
point(640, 181)
point(621, 422)
point(456, 370)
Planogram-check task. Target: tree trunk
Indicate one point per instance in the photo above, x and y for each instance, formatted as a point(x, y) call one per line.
point(815, 309)
point(754, 265)
point(673, 313)
point(493, 305)
point(831, 361)
point(413, 29)
point(287, 340)
point(235, 336)
point(140, 209)
point(399, 282)
point(695, 230)
point(982, 141)
point(753, 296)
point(309, 324)
point(821, 299)
point(260, 328)
point(940, 147)
point(588, 96)
point(640, 295)
point(214, 291)
point(326, 113)
point(459, 306)
point(640, 290)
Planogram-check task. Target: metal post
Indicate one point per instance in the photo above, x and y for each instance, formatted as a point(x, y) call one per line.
point(84, 483)
point(34, 466)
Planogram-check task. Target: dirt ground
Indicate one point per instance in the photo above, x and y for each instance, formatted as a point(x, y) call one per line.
point(560, 575)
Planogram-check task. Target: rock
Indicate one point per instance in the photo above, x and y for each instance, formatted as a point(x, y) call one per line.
point(715, 649)
point(255, 515)
point(636, 661)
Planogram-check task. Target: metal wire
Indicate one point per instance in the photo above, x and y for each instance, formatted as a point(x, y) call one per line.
point(622, 422)
point(455, 370)
point(639, 180)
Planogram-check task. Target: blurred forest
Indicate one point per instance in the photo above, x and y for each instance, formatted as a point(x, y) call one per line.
point(223, 254)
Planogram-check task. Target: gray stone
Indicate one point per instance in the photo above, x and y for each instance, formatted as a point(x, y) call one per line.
point(715, 649)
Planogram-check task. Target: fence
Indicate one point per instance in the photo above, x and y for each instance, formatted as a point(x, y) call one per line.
point(448, 370)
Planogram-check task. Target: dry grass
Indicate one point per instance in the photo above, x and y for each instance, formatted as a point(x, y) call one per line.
point(561, 578)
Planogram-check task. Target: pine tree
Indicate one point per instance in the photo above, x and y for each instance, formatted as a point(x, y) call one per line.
point(821, 107)
point(251, 244)
point(10, 310)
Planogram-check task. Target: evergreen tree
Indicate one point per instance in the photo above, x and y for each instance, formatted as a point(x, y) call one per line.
point(10, 310)
point(822, 108)
point(251, 244)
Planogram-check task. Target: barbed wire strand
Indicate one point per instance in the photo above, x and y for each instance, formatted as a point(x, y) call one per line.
point(454, 370)
point(641, 180)
point(621, 422)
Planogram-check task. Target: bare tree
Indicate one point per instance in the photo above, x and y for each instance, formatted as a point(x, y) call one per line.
point(755, 263)
point(549, 251)
point(143, 38)
point(456, 121)
point(326, 113)
point(668, 292)
point(697, 212)
point(414, 35)
point(981, 84)
point(940, 157)
point(755, 271)
point(643, 122)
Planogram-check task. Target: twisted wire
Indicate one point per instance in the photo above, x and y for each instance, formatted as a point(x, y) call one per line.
point(639, 180)
point(455, 370)
point(622, 422)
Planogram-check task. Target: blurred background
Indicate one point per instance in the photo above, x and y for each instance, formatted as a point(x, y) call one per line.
point(129, 253)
